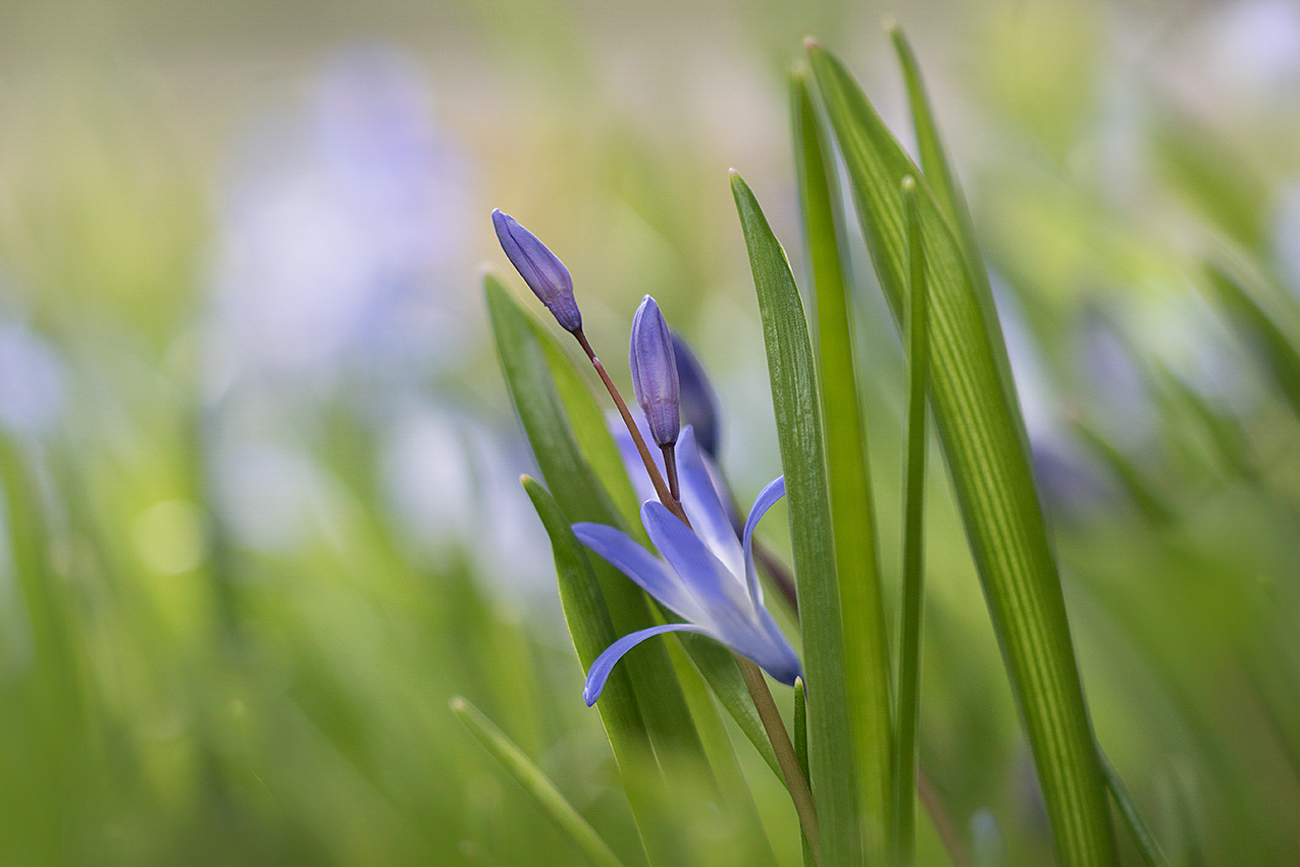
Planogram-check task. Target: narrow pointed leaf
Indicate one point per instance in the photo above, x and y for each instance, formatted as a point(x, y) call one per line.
point(942, 181)
point(1152, 854)
point(1276, 350)
point(866, 653)
point(791, 369)
point(909, 639)
point(536, 783)
point(990, 469)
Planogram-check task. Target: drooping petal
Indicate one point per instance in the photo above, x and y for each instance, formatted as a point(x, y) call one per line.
point(767, 498)
point(719, 591)
point(604, 664)
point(775, 655)
point(703, 506)
point(649, 572)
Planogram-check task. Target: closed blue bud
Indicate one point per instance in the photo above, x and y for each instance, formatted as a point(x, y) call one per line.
point(698, 400)
point(654, 372)
point(541, 269)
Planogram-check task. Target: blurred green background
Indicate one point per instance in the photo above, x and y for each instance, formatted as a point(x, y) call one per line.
point(260, 506)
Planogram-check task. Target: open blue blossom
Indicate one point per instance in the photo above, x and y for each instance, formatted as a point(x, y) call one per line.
point(706, 576)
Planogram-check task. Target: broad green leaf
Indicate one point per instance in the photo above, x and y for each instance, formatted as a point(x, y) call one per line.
point(989, 466)
point(909, 638)
point(866, 651)
point(581, 498)
point(1152, 854)
point(536, 783)
point(791, 368)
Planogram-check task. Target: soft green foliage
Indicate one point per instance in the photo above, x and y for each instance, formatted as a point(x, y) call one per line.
point(263, 538)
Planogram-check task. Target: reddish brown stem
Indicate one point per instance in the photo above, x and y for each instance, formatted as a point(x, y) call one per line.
point(656, 478)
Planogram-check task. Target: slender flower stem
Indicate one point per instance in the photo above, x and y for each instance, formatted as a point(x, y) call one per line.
point(656, 478)
point(670, 468)
point(786, 756)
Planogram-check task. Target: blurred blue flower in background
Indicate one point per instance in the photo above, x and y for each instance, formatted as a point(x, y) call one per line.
point(31, 381)
point(341, 236)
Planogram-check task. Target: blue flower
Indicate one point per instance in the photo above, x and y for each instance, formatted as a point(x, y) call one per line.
point(708, 578)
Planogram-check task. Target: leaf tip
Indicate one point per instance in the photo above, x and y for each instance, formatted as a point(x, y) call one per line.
point(457, 704)
point(890, 25)
point(909, 184)
point(810, 44)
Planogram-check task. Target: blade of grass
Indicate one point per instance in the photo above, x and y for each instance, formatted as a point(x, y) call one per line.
point(582, 498)
point(1275, 349)
point(536, 783)
point(989, 467)
point(942, 181)
point(866, 651)
point(909, 637)
point(799, 430)
point(1152, 854)
point(801, 752)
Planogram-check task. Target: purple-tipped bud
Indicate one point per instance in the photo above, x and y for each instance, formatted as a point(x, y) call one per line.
point(541, 269)
point(654, 372)
point(698, 400)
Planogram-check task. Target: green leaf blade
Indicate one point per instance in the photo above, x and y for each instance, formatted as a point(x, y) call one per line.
point(536, 783)
point(798, 420)
point(989, 462)
point(866, 651)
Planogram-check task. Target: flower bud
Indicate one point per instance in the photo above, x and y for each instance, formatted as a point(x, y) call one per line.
point(699, 402)
point(541, 269)
point(654, 372)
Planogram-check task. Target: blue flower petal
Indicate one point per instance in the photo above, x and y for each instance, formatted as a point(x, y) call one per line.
point(703, 505)
point(648, 571)
point(708, 580)
point(767, 498)
point(605, 663)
